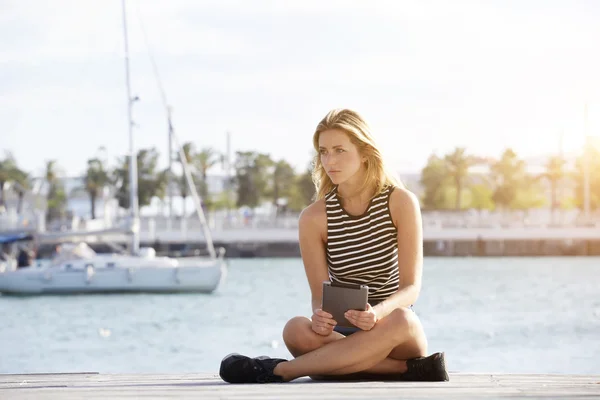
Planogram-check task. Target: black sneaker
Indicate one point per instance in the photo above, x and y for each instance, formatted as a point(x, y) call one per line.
point(426, 369)
point(236, 368)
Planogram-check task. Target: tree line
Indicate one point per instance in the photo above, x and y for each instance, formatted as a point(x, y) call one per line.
point(454, 181)
point(256, 178)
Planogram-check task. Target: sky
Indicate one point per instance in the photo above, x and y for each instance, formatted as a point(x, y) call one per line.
point(428, 76)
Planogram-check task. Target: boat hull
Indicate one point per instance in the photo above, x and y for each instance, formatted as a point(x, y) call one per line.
point(203, 278)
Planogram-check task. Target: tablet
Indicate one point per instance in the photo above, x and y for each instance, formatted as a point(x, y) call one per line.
point(339, 298)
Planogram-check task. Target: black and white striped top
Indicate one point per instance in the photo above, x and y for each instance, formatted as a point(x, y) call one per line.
point(363, 249)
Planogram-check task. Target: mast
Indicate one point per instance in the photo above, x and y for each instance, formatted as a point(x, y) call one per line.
point(133, 184)
point(170, 174)
point(176, 146)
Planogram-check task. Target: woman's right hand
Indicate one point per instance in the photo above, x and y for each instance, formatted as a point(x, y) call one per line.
point(322, 322)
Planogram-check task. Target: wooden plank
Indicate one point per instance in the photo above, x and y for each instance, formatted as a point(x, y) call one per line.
point(209, 386)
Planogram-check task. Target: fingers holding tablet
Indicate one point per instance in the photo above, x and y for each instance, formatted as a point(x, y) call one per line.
point(364, 320)
point(322, 322)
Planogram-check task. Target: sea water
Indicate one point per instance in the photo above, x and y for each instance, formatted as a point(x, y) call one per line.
point(511, 315)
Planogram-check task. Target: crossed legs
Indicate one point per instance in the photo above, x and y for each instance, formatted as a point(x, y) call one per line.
point(382, 350)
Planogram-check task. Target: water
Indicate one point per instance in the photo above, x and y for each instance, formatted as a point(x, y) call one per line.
point(513, 315)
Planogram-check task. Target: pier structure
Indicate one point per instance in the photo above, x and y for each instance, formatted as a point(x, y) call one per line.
point(209, 386)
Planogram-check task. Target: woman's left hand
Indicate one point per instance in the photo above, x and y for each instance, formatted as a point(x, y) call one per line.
point(364, 320)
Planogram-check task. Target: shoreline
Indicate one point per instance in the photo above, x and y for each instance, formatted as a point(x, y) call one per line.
point(431, 248)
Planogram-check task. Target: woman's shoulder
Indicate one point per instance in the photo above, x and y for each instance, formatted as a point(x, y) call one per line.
point(315, 210)
point(315, 215)
point(403, 201)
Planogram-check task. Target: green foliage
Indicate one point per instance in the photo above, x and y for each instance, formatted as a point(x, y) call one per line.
point(481, 197)
point(554, 174)
point(56, 203)
point(96, 178)
point(456, 166)
point(444, 180)
point(252, 178)
point(303, 191)
point(528, 197)
point(509, 176)
point(198, 164)
point(594, 179)
point(504, 195)
point(10, 172)
point(188, 153)
point(56, 199)
point(284, 179)
point(203, 161)
point(447, 181)
point(222, 202)
point(434, 180)
point(151, 183)
point(7, 168)
point(568, 203)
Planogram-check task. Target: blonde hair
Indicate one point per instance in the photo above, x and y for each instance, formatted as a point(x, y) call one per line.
point(378, 175)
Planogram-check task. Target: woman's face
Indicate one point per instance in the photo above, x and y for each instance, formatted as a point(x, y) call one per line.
point(339, 156)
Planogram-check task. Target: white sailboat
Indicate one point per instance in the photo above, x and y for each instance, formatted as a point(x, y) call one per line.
point(78, 269)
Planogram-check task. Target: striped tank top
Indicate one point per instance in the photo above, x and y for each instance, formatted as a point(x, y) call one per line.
point(363, 249)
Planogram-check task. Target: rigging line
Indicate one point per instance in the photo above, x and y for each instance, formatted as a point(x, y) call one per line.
point(186, 169)
point(159, 83)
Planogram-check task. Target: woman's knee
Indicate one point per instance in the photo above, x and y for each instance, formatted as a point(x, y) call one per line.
point(295, 330)
point(402, 321)
point(407, 330)
point(295, 324)
point(298, 336)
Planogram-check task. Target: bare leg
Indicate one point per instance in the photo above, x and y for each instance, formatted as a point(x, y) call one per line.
point(301, 339)
point(362, 351)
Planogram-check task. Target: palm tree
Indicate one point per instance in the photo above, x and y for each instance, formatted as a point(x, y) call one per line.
point(434, 181)
point(205, 159)
point(509, 175)
point(51, 174)
point(189, 154)
point(96, 178)
point(56, 198)
point(7, 173)
point(457, 165)
point(151, 181)
point(284, 179)
point(578, 175)
point(21, 185)
point(554, 174)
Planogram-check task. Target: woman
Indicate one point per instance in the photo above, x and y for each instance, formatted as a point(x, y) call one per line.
point(364, 228)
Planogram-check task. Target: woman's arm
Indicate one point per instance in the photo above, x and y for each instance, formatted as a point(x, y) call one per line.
point(312, 236)
point(406, 214)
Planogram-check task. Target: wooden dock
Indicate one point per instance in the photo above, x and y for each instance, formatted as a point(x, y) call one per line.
point(210, 386)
